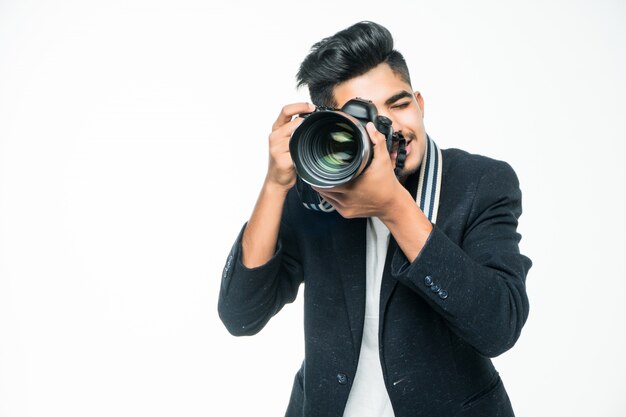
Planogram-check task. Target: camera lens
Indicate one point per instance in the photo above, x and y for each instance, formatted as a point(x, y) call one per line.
point(328, 148)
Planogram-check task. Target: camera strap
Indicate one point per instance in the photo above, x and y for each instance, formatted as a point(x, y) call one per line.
point(429, 184)
point(400, 154)
point(312, 199)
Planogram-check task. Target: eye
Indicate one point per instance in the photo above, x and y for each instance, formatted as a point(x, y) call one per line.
point(401, 106)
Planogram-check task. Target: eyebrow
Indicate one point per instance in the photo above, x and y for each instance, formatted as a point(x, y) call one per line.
point(397, 96)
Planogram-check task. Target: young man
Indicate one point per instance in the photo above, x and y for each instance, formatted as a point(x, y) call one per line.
point(412, 284)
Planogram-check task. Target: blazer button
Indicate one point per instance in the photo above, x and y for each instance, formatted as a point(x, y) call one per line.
point(428, 280)
point(435, 288)
point(342, 379)
point(443, 294)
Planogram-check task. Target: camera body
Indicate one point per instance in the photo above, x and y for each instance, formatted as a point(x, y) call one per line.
point(332, 147)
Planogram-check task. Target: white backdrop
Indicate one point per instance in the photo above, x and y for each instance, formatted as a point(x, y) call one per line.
point(133, 143)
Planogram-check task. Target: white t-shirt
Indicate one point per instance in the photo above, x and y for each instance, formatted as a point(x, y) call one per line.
point(368, 396)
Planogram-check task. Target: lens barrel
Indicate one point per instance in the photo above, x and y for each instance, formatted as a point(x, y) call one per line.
point(330, 148)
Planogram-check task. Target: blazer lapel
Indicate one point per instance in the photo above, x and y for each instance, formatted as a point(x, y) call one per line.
point(388, 284)
point(349, 249)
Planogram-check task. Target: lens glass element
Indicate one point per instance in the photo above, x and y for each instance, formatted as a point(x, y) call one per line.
point(336, 147)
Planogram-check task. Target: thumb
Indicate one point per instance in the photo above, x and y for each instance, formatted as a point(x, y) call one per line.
point(379, 141)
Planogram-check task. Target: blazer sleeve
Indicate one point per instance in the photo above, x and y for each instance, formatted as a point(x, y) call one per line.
point(478, 286)
point(250, 297)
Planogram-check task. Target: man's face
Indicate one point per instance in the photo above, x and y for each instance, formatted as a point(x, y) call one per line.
point(395, 99)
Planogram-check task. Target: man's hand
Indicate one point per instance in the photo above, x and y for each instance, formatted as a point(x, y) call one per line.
point(259, 239)
point(280, 170)
point(375, 192)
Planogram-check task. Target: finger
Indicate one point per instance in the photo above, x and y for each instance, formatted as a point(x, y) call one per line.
point(283, 133)
point(291, 110)
point(378, 139)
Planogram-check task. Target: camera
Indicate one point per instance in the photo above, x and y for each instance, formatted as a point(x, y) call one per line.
point(332, 147)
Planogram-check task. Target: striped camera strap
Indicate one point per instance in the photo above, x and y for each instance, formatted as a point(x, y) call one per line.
point(429, 185)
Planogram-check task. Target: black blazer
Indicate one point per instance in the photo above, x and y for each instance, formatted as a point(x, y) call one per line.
point(461, 302)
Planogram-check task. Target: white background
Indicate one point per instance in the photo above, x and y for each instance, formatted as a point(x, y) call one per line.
point(133, 143)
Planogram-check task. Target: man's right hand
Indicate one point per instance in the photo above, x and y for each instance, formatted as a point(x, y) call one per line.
point(281, 171)
point(261, 235)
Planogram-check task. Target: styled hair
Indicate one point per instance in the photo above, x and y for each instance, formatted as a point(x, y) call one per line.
point(347, 54)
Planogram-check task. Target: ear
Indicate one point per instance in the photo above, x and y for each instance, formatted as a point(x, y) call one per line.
point(420, 101)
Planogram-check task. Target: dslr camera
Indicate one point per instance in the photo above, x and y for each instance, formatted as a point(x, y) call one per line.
point(332, 147)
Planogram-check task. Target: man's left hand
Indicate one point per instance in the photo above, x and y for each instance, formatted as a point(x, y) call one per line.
point(374, 192)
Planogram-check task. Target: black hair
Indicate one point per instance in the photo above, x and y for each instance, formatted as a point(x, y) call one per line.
point(347, 54)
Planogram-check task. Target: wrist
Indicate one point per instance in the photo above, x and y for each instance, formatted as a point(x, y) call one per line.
point(275, 189)
point(408, 225)
point(396, 209)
